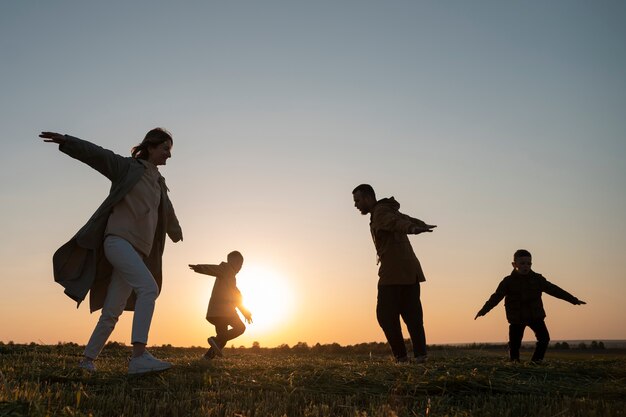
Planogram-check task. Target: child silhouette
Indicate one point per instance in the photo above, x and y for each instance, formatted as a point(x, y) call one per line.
point(224, 302)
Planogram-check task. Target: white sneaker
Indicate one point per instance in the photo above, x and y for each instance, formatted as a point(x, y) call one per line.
point(213, 342)
point(88, 366)
point(146, 363)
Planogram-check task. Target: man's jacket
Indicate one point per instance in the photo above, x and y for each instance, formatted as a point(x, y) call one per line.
point(389, 228)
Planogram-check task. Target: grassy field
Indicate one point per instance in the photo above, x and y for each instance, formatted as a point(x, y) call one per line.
point(44, 381)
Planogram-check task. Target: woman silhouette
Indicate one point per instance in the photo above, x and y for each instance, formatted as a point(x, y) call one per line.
point(116, 255)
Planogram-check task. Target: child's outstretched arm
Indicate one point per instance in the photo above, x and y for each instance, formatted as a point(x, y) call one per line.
point(239, 302)
point(246, 314)
point(213, 270)
point(493, 301)
point(558, 292)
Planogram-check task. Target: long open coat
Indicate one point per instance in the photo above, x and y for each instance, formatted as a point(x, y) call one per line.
point(80, 265)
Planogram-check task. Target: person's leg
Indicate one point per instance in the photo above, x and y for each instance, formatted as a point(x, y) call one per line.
point(543, 338)
point(237, 328)
point(388, 316)
point(516, 333)
point(129, 264)
point(114, 303)
point(221, 327)
point(224, 334)
point(413, 316)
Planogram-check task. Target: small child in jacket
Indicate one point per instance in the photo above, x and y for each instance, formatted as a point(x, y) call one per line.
point(225, 299)
point(522, 300)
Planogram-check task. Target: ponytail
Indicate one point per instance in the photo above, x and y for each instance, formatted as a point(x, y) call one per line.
point(153, 138)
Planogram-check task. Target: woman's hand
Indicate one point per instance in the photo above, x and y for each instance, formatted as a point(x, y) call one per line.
point(53, 137)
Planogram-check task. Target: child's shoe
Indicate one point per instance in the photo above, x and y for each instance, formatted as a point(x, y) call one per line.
point(210, 354)
point(213, 342)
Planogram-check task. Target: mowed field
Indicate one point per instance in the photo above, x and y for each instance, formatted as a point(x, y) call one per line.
point(38, 380)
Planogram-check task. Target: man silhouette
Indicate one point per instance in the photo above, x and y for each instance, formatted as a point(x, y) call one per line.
point(400, 272)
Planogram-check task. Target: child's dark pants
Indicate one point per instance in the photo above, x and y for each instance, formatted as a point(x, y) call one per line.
point(516, 333)
point(395, 301)
point(224, 334)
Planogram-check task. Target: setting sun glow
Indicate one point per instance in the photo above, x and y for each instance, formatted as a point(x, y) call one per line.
point(267, 295)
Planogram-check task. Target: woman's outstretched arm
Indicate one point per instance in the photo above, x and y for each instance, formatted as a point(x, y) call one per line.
point(53, 137)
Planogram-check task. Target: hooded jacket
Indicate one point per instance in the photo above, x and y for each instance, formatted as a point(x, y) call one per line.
point(80, 265)
point(225, 296)
point(522, 297)
point(389, 228)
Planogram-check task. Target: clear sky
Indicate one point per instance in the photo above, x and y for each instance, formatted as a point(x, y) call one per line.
point(501, 122)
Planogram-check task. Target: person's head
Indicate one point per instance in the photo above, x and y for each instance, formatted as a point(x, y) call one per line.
point(522, 261)
point(155, 148)
point(235, 259)
point(364, 198)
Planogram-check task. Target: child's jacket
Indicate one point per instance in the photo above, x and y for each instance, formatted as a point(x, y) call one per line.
point(522, 297)
point(225, 296)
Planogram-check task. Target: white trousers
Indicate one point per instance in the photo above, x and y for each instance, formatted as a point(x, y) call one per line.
point(129, 274)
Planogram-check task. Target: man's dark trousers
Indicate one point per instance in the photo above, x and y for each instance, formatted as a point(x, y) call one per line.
point(516, 333)
point(395, 301)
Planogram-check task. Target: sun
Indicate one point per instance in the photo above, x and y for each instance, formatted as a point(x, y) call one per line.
point(267, 295)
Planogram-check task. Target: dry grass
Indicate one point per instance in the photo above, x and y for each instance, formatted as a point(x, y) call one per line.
point(44, 381)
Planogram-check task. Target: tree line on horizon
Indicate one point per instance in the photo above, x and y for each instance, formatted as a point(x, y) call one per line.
point(329, 348)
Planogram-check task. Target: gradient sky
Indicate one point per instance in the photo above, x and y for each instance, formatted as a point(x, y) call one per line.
point(501, 122)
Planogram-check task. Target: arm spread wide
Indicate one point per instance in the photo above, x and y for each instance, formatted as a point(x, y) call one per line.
point(394, 221)
point(558, 292)
point(495, 298)
point(106, 162)
point(213, 270)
